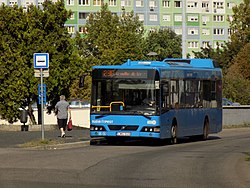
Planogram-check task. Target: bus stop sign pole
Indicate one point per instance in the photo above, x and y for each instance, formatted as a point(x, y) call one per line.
point(41, 61)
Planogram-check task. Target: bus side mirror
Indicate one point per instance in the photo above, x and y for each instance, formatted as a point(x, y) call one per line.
point(81, 81)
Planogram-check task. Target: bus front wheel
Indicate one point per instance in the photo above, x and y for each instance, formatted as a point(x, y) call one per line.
point(205, 130)
point(173, 139)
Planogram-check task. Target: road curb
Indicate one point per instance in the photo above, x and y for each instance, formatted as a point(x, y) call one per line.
point(62, 146)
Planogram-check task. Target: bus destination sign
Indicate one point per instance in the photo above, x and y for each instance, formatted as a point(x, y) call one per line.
point(117, 73)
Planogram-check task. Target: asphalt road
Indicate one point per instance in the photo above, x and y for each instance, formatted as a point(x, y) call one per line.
point(12, 139)
point(219, 162)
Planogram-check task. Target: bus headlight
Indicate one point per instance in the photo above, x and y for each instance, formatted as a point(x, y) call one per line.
point(151, 129)
point(97, 128)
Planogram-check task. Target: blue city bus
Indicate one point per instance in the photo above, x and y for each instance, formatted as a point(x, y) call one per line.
point(165, 99)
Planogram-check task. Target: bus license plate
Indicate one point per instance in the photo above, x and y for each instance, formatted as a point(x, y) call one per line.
point(123, 134)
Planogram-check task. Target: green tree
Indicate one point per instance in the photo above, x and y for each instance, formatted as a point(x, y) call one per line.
point(164, 42)
point(21, 35)
point(237, 77)
point(113, 39)
point(110, 40)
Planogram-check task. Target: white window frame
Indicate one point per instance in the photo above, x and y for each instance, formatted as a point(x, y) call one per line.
point(230, 5)
point(166, 17)
point(153, 17)
point(218, 18)
point(178, 18)
point(219, 31)
point(193, 18)
point(165, 3)
point(84, 2)
point(97, 2)
point(71, 29)
point(141, 16)
point(178, 31)
point(177, 4)
point(193, 31)
point(205, 44)
point(193, 44)
point(72, 16)
point(205, 31)
point(152, 3)
point(12, 3)
point(70, 2)
point(192, 4)
point(112, 3)
point(218, 5)
point(139, 3)
point(126, 3)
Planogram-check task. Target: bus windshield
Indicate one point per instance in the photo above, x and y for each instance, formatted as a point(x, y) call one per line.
point(125, 96)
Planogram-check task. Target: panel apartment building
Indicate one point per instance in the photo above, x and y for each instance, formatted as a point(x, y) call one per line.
point(203, 22)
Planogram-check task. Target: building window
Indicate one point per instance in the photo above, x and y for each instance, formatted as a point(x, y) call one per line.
point(165, 4)
point(140, 16)
point(218, 31)
point(83, 29)
point(40, 2)
point(126, 3)
point(178, 18)
point(98, 2)
point(13, 2)
point(153, 17)
point(204, 4)
point(112, 3)
point(71, 29)
point(139, 3)
point(192, 4)
point(230, 5)
point(218, 5)
point(218, 44)
point(152, 30)
point(72, 16)
point(84, 2)
point(83, 15)
point(70, 2)
point(193, 31)
point(193, 18)
point(205, 44)
point(229, 31)
point(218, 18)
point(166, 18)
point(205, 31)
point(193, 44)
point(177, 4)
point(152, 4)
point(178, 31)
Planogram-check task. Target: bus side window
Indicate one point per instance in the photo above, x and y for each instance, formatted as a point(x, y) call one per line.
point(165, 96)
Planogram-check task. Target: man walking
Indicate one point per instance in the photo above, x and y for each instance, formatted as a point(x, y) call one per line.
point(62, 110)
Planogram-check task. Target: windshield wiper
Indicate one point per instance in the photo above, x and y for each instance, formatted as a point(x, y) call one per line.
point(141, 113)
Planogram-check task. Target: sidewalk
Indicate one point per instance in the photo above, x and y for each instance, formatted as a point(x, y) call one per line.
point(11, 139)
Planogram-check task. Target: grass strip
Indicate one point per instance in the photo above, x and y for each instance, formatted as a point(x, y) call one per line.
point(40, 142)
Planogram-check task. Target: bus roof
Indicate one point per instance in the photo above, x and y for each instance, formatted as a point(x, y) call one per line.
point(167, 63)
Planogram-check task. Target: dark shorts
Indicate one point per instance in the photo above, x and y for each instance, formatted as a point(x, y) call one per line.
point(62, 123)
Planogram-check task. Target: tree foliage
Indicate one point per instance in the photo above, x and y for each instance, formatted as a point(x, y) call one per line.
point(21, 35)
point(113, 39)
point(165, 42)
point(233, 58)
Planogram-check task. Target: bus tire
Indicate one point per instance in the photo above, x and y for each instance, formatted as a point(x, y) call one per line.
point(205, 130)
point(173, 139)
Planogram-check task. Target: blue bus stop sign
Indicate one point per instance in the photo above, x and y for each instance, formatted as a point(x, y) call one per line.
point(41, 60)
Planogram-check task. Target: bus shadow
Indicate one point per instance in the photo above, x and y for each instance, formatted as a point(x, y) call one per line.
point(147, 142)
